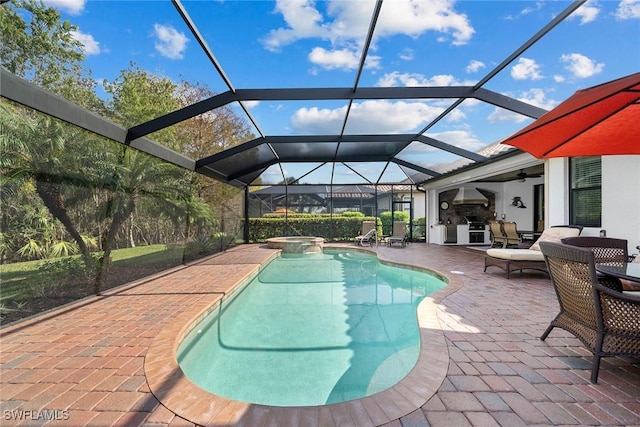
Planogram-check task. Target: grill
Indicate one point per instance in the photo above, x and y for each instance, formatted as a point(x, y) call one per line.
point(474, 223)
point(476, 229)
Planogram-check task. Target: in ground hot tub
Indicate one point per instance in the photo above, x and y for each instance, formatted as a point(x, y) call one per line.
point(296, 244)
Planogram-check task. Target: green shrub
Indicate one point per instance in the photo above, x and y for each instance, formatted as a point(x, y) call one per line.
point(62, 273)
point(337, 228)
point(202, 245)
point(352, 214)
point(419, 227)
point(385, 217)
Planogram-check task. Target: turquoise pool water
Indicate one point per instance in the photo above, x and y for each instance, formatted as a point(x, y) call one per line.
point(311, 330)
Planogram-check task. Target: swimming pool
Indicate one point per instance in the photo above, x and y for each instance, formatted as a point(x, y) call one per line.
point(311, 330)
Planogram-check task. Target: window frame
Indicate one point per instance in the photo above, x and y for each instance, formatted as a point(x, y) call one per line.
point(575, 192)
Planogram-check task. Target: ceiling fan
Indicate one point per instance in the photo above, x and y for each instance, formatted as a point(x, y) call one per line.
point(522, 176)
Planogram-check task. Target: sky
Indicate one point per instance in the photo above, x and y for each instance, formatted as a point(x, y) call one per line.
point(306, 43)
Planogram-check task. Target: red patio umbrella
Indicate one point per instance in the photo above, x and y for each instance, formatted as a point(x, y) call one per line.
point(600, 120)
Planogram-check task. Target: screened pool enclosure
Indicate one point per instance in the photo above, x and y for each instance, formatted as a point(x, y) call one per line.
point(203, 162)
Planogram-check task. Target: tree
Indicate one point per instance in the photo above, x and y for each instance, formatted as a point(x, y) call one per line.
point(207, 134)
point(85, 182)
point(139, 96)
point(36, 148)
point(135, 176)
point(37, 45)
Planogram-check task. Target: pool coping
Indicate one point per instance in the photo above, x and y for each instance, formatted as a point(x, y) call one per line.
point(177, 393)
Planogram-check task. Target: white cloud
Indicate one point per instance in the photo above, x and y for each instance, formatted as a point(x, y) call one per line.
point(372, 61)
point(474, 65)
point(303, 21)
point(456, 115)
point(581, 66)
point(415, 79)
point(416, 17)
point(89, 45)
point(379, 116)
point(537, 97)
point(528, 10)
point(406, 54)
point(73, 7)
point(346, 24)
point(460, 138)
point(171, 43)
point(343, 58)
point(526, 69)
point(250, 104)
point(588, 12)
point(502, 115)
point(628, 9)
point(534, 96)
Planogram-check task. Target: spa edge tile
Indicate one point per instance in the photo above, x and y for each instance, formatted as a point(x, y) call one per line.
point(256, 415)
point(359, 413)
point(230, 414)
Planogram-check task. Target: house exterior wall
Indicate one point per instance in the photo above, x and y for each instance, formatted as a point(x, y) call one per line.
point(419, 205)
point(621, 198)
point(620, 195)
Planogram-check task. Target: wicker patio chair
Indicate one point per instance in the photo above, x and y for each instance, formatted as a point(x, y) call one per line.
point(497, 234)
point(605, 250)
point(607, 322)
point(511, 233)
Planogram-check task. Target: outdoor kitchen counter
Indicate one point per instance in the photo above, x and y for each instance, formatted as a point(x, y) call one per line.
point(439, 235)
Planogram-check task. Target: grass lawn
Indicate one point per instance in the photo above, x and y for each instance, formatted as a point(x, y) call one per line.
point(19, 279)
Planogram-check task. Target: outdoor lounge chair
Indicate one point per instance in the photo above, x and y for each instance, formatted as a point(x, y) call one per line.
point(399, 234)
point(606, 321)
point(497, 234)
point(512, 259)
point(368, 234)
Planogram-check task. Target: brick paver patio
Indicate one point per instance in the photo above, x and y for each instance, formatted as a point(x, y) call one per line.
point(84, 364)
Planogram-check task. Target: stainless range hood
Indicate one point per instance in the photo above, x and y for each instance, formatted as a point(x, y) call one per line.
point(470, 196)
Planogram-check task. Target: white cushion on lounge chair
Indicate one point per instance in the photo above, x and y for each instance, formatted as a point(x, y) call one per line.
point(553, 234)
point(516, 254)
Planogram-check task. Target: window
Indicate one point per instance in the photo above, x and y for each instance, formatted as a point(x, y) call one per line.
point(585, 191)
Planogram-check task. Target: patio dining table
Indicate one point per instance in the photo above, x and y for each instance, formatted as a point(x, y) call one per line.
point(628, 270)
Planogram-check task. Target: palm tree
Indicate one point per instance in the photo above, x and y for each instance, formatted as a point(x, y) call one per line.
point(135, 177)
point(38, 148)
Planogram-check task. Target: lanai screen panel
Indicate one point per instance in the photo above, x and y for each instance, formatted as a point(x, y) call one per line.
point(305, 151)
point(461, 74)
